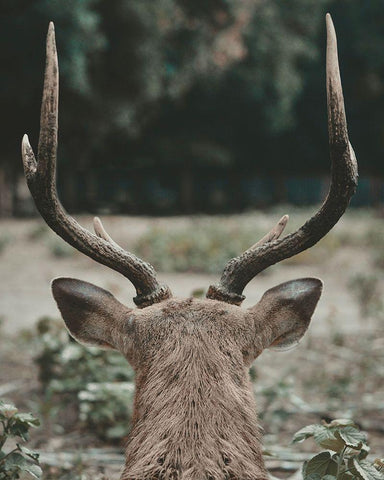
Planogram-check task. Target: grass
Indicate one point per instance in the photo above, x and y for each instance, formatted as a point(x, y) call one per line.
point(206, 245)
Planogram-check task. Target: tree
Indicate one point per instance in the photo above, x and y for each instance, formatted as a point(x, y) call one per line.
point(23, 26)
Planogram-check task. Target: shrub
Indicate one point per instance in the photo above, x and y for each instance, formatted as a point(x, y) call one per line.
point(200, 247)
point(97, 384)
point(345, 455)
point(18, 459)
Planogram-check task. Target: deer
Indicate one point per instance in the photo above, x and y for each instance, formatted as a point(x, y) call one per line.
point(194, 411)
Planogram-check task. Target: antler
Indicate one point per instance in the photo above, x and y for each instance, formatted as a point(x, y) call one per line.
point(41, 179)
point(240, 270)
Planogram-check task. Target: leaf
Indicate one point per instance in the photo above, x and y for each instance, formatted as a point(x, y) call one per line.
point(28, 452)
point(27, 419)
point(335, 444)
point(346, 476)
point(352, 437)
point(366, 470)
point(306, 432)
point(341, 422)
point(364, 451)
point(34, 470)
point(14, 462)
point(321, 464)
point(313, 476)
point(379, 464)
point(19, 430)
point(328, 477)
point(326, 438)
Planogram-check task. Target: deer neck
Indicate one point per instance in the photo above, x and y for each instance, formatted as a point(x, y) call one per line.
point(194, 418)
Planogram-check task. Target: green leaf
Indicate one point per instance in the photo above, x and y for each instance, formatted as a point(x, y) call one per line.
point(352, 437)
point(34, 470)
point(27, 419)
point(321, 464)
point(14, 462)
point(313, 476)
point(364, 451)
point(326, 438)
point(346, 476)
point(19, 430)
point(328, 477)
point(28, 452)
point(366, 470)
point(334, 443)
point(306, 432)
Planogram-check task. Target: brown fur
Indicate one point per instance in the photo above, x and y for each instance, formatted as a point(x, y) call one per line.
point(194, 411)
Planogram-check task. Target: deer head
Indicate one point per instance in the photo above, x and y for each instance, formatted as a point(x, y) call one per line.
point(194, 412)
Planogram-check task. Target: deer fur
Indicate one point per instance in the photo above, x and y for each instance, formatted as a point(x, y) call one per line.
point(194, 412)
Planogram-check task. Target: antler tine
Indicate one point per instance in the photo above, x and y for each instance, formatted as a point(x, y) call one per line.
point(101, 232)
point(41, 179)
point(240, 270)
point(273, 234)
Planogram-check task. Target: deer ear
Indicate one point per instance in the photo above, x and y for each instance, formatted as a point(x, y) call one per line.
point(92, 315)
point(284, 312)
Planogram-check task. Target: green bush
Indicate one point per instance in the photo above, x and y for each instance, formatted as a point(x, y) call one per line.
point(199, 247)
point(345, 455)
point(18, 459)
point(97, 384)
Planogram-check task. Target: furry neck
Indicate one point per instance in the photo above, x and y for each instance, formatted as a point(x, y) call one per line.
point(194, 422)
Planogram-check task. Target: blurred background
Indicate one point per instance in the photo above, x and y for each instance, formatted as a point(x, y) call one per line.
point(172, 106)
point(191, 127)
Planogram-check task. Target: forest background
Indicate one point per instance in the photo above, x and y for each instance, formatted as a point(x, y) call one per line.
point(173, 106)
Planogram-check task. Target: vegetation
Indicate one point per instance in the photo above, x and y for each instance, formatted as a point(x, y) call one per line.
point(84, 395)
point(168, 87)
point(16, 459)
point(96, 385)
point(345, 455)
point(206, 244)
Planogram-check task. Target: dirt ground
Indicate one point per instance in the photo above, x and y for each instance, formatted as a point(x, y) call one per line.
point(27, 267)
point(338, 370)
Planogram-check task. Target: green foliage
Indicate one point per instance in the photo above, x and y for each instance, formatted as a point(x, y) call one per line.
point(346, 452)
point(280, 40)
point(226, 84)
point(199, 247)
point(97, 384)
point(18, 459)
